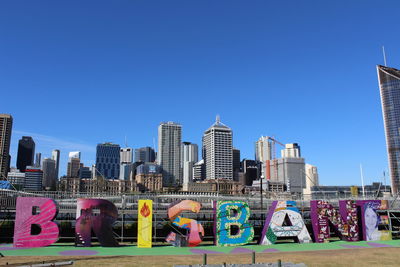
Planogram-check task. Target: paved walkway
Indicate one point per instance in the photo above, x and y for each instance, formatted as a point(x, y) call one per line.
point(70, 250)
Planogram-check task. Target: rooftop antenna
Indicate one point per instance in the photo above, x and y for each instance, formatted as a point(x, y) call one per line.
point(384, 55)
point(362, 181)
point(218, 119)
point(126, 144)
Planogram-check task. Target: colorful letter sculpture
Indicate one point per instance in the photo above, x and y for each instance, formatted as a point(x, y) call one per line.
point(195, 231)
point(284, 220)
point(228, 216)
point(371, 220)
point(345, 223)
point(25, 218)
point(100, 223)
point(145, 223)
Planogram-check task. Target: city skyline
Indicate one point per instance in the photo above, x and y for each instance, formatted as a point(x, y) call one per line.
point(303, 73)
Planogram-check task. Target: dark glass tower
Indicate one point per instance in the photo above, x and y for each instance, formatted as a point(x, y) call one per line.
point(389, 84)
point(107, 160)
point(26, 153)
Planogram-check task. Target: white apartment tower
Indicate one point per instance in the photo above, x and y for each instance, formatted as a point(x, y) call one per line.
point(169, 152)
point(291, 151)
point(264, 155)
point(217, 151)
point(126, 155)
point(55, 155)
point(189, 158)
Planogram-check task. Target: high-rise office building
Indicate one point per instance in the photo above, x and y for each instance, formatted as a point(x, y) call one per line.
point(38, 159)
point(6, 121)
point(311, 179)
point(33, 179)
point(49, 174)
point(73, 167)
point(145, 154)
point(126, 155)
point(26, 153)
point(55, 155)
point(169, 152)
point(108, 160)
point(190, 155)
point(389, 84)
point(263, 149)
point(217, 151)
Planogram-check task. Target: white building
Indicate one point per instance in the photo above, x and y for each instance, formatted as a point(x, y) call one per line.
point(264, 154)
point(169, 152)
point(217, 151)
point(55, 155)
point(126, 155)
point(311, 178)
point(190, 155)
point(74, 155)
point(291, 151)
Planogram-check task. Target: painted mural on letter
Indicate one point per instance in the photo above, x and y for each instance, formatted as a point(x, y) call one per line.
point(36, 211)
point(194, 230)
point(231, 224)
point(284, 220)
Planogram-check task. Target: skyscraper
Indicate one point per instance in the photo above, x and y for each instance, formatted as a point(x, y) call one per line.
point(190, 156)
point(26, 153)
point(217, 151)
point(5, 138)
point(108, 160)
point(389, 84)
point(145, 154)
point(38, 159)
point(49, 174)
point(264, 155)
point(169, 152)
point(55, 155)
point(74, 164)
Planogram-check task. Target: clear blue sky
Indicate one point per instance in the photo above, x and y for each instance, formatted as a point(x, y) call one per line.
point(77, 73)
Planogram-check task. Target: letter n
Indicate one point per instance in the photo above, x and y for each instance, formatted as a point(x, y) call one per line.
point(344, 223)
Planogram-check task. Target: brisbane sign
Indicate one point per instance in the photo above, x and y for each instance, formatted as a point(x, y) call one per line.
point(353, 221)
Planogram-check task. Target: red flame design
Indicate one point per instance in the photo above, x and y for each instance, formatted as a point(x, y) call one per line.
point(145, 211)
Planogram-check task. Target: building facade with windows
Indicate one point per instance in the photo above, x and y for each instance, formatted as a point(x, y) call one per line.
point(108, 160)
point(6, 122)
point(389, 84)
point(217, 151)
point(169, 152)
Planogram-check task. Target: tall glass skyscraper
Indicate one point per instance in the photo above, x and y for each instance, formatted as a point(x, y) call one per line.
point(107, 160)
point(5, 139)
point(26, 153)
point(389, 84)
point(169, 152)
